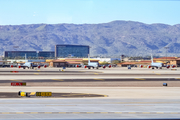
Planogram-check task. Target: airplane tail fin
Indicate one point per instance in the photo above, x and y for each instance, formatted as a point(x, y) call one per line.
point(151, 58)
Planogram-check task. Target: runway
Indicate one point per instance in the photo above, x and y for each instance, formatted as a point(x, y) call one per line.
point(89, 80)
point(95, 108)
point(135, 93)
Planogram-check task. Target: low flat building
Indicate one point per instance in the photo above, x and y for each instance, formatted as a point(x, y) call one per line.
point(69, 62)
point(169, 60)
point(165, 60)
point(135, 63)
point(58, 63)
point(126, 64)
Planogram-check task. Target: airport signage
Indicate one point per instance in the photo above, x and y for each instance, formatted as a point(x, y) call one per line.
point(45, 94)
point(18, 84)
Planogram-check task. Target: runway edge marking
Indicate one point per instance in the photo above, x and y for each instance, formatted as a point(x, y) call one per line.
point(89, 112)
point(16, 80)
point(36, 73)
point(58, 79)
point(139, 79)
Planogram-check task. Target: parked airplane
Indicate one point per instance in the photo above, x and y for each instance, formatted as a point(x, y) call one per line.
point(30, 65)
point(154, 64)
point(91, 64)
point(94, 65)
point(157, 65)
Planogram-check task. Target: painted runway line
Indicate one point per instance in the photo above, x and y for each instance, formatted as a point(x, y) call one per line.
point(89, 112)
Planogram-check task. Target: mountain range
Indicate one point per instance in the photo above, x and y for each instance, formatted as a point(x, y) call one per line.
point(105, 39)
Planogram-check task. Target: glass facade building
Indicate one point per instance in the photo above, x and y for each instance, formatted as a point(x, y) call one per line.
point(71, 51)
point(46, 54)
point(60, 51)
point(29, 54)
point(20, 54)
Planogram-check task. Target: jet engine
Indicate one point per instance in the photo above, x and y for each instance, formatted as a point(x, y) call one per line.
point(141, 66)
point(173, 66)
point(148, 66)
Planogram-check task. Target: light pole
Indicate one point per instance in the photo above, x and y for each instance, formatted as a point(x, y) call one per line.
point(166, 53)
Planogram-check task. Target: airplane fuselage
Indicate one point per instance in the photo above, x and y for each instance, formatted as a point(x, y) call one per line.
point(159, 65)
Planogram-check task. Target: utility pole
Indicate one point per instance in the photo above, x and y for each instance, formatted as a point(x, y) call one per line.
point(166, 53)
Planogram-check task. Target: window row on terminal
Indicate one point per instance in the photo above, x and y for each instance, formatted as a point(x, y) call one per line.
point(28, 54)
point(62, 51)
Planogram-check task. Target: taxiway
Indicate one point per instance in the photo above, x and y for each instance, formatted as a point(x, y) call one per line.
point(130, 93)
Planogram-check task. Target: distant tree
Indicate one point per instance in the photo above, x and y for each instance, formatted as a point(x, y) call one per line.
point(14, 62)
point(116, 61)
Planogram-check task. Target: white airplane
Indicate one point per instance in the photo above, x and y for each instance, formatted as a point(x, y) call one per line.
point(154, 64)
point(157, 65)
point(90, 64)
point(93, 65)
point(30, 65)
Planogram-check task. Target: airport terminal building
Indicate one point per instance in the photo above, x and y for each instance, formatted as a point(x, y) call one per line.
point(28, 54)
point(71, 51)
point(46, 54)
point(79, 51)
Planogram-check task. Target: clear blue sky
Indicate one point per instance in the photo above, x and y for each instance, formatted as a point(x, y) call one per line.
point(16, 12)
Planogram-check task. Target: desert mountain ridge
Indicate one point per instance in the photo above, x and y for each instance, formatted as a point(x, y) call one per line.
point(106, 39)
